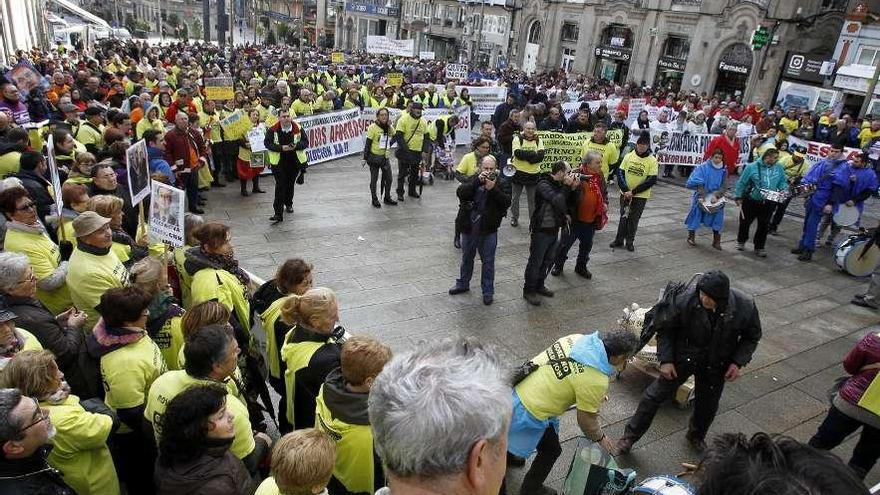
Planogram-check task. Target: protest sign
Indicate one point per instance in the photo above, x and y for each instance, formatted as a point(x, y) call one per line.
point(636, 105)
point(138, 167)
point(333, 135)
point(569, 147)
point(816, 151)
point(486, 98)
point(456, 71)
point(382, 45)
point(426, 55)
point(679, 148)
point(394, 79)
point(462, 130)
point(256, 137)
point(219, 88)
point(166, 214)
point(54, 176)
point(235, 125)
point(25, 77)
point(337, 57)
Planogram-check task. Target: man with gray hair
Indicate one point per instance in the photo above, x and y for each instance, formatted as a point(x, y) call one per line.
point(574, 371)
point(440, 415)
point(25, 434)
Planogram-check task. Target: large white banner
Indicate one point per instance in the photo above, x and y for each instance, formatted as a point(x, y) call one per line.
point(816, 151)
point(462, 130)
point(486, 98)
point(333, 135)
point(383, 45)
point(679, 148)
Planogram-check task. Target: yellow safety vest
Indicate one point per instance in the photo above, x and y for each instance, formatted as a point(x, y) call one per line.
point(273, 350)
point(43, 257)
point(522, 144)
point(297, 356)
point(275, 157)
point(211, 284)
point(354, 449)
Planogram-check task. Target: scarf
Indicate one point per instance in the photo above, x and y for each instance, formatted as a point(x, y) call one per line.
point(59, 396)
point(12, 348)
point(197, 259)
point(120, 236)
point(36, 228)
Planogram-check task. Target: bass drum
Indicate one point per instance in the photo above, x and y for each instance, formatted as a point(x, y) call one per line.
point(664, 485)
point(848, 254)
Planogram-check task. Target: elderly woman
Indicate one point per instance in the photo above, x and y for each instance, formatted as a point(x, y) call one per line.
point(106, 183)
point(309, 352)
point(293, 277)
point(25, 234)
point(61, 334)
point(151, 120)
point(164, 322)
point(14, 340)
point(127, 249)
point(80, 449)
point(130, 362)
point(707, 181)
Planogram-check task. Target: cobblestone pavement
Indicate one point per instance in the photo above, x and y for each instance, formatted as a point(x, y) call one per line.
point(392, 267)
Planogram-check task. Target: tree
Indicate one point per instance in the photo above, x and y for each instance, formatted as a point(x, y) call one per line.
point(173, 20)
point(196, 29)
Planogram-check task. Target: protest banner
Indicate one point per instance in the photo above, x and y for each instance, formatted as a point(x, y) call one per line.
point(426, 55)
point(462, 130)
point(636, 105)
point(25, 77)
point(816, 151)
point(486, 98)
point(394, 79)
point(456, 71)
point(569, 147)
point(382, 45)
point(138, 167)
point(256, 136)
point(166, 214)
point(337, 57)
point(235, 125)
point(219, 88)
point(54, 177)
point(680, 148)
point(333, 135)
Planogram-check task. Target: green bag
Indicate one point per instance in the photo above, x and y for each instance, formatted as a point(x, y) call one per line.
point(594, 472)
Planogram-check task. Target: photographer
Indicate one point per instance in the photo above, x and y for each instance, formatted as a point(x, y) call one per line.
point(551, 213)
point(588, 211)
point(483, 203)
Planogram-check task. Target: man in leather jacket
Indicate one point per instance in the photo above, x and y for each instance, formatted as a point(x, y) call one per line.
point(709, 331)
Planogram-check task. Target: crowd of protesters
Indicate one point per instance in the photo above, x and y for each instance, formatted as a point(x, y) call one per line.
point(127, 367)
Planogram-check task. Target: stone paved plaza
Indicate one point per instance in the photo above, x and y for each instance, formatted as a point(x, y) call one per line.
point(392, 267)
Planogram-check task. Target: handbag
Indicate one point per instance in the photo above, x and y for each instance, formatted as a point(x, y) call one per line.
point(594, 472)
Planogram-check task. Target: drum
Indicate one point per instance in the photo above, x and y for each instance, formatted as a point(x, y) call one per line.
point(848, 253)
point(664, 485)
point(846, 215)
point(709, 207)
point(801, 190)
point(774, 196)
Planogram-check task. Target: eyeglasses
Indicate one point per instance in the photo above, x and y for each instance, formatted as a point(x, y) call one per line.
point(39, 416)
point(26, 206)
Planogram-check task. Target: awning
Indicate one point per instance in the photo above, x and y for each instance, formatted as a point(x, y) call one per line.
point(88, 16)
point(854, 78)
point(856, 70)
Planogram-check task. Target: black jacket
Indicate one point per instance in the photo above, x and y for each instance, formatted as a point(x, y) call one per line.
point(38, 189)
point(575, 126)
point(497, 202)
point(551, 204)
point(505, 134)
point(32, 476)
point(549, 125)
point(81, 370)
point(286, 138)
point(308, 380)
point(215, 472)
point(688, 334)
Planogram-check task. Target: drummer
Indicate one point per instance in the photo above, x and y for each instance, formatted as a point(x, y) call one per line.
point(871, 297)
point(707, 180)
point(855, 182)
point(823, 201)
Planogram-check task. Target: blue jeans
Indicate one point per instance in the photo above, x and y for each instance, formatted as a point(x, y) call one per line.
point(812, 217)
point(485, 245)
point(582, 232)
point(542, 253)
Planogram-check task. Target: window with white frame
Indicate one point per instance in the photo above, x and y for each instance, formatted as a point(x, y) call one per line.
point(867, 55)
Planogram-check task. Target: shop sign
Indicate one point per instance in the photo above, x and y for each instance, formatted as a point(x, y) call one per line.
point(728, 67)
point(615, 53)
point(803, 67)
point(672, 64)
point(369, 8)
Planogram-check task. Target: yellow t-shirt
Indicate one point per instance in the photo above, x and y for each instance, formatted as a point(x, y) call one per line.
point(790, 125)
point(169, 385)
point(414, 131)
point(609, 151)
point(80, 448)
point(552, 389)
point(866, 135)
point(636, 169)
point(30, 342)
point(42, 255)
point(10, 163)
point(468, 165)
point(380, 141)
point(90, 276)
point(128, 373)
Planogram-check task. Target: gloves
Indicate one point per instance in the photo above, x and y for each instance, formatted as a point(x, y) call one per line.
point(97, 406)
point(65, 248)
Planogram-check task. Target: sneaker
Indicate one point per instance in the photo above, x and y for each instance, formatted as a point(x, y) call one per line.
point(275, 219)
point(630, 247)
point(288, 209)
point(376, 203)
point(760, 253)
point(389, 201)
point(805, 256)
point(740, 246)
point(865, 303)
point(487, 300)
point(583, 272)
point(458, 290)
point(544, 291)
point(532, 298)
point(556, 271)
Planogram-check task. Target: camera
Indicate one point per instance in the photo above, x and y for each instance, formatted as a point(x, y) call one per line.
point(581, 177)
point(493, 176)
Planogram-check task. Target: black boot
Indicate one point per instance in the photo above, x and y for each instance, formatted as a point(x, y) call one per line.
point(244, 191)
point(256, 185)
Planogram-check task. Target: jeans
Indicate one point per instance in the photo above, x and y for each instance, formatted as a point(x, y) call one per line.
point(485, 244)
point(626, 229)
point(779, 213)
point(285, 180)
point(812, 217)
point(752, 210)
point(582, 232)
point(834, 430)
point(709, 383)
point(542, 252)
point(514, 200)
point(386, 179)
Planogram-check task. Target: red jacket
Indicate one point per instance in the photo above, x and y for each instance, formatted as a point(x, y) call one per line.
point(180, 145)
point(731, 151)
point(866, 352)
point(171, 113)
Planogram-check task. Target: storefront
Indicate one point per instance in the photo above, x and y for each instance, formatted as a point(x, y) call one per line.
point(734, 68)
point(853, 80)
point(672, 63)
point(614, 53)
point(801, 84)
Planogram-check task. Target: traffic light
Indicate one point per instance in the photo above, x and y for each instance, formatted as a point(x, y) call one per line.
point(760, 38)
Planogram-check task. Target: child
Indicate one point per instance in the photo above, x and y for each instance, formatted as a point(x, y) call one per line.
point(302, 463)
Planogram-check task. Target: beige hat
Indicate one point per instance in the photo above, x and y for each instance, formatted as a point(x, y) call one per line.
point(88, 222)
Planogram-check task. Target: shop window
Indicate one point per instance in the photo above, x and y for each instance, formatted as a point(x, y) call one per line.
point(535, 32)
point(617, 35)
point(569, 31)
point(677, 47)
point(867, 55)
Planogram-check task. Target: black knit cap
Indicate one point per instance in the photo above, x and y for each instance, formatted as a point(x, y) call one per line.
point(716, 285)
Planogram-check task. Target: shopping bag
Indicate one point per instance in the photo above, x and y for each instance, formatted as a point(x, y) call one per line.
point(594, 472)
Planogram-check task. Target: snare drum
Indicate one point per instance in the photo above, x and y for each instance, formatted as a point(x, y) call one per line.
point(846, 215)
point(774, 196)
point(801, 190)
point(664, 485)
point(848, 252)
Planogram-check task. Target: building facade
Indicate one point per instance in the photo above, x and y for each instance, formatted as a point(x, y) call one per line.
point(856, 56)
point(358, 19)
point(23, 26)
